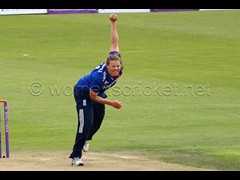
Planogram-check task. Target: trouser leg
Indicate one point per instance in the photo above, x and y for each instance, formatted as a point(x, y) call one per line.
point(98, 116)
point(85, 121)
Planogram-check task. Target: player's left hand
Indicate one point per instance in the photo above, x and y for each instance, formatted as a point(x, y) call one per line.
point(113, 17)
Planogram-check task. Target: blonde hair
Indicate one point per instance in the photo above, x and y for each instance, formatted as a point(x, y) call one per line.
point(114, 57)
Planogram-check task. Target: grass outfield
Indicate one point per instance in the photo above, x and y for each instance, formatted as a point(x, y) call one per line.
point(180, 87)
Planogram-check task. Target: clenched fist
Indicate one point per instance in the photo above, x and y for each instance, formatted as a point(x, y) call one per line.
point(113, 17)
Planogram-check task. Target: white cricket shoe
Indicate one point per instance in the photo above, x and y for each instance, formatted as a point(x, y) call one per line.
point(77, 162)
point(86, 146)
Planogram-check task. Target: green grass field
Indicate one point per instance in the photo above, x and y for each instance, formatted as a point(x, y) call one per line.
point(180, 87)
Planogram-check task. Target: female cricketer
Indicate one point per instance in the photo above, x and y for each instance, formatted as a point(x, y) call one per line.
point(90, 97)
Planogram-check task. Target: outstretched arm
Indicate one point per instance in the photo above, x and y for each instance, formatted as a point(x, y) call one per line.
point(114, 47)
point(114, 33)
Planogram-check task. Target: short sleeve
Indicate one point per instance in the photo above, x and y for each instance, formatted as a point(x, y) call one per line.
point(114, 52)
point(96, 86)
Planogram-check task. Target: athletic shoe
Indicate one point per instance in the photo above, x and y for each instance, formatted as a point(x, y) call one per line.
point(77, 162)
point(86, 146)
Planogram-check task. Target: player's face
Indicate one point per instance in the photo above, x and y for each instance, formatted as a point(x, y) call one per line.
point(114, 68)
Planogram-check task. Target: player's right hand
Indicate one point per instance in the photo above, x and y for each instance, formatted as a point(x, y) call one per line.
point(117, 104)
